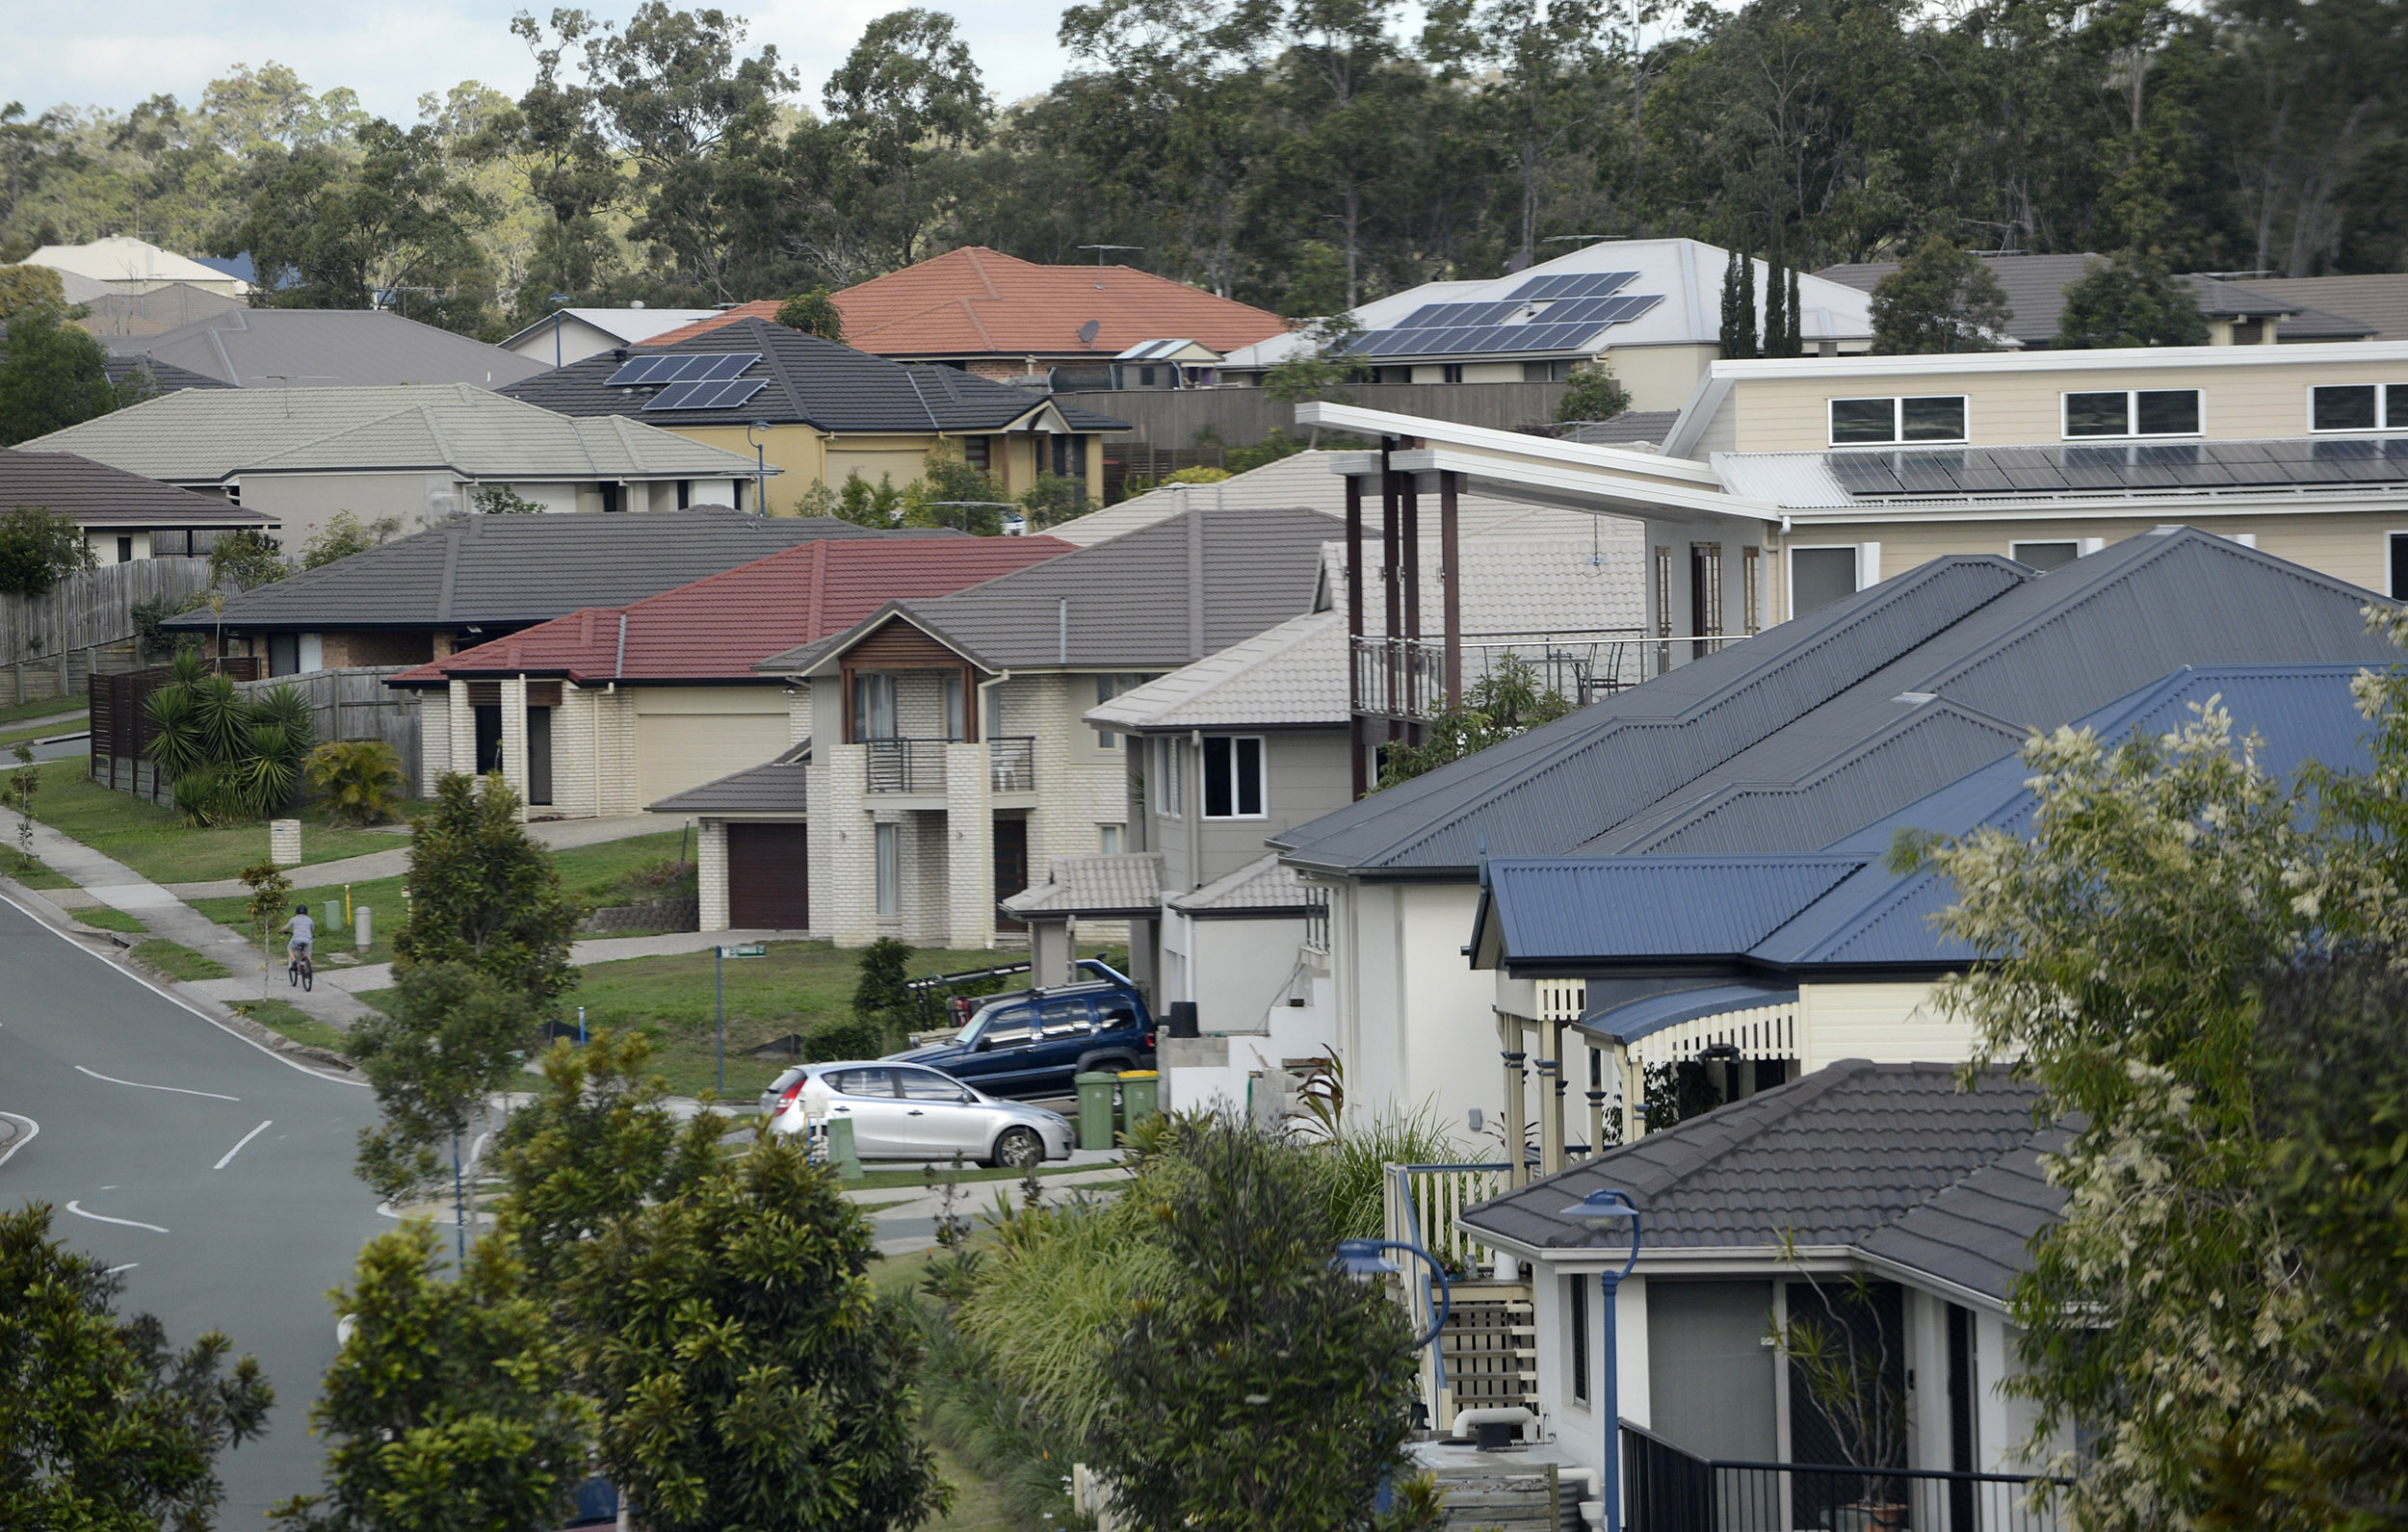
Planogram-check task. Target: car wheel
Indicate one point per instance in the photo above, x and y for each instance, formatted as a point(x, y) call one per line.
point(1019, 1148)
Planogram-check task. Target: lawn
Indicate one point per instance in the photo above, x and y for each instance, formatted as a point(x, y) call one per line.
point(109, 920)
point(150, 839)
point(293, 1021)
point(26, 735)
point(32, 873)
point(41, 708)
point(596, 874)
point(178, 962)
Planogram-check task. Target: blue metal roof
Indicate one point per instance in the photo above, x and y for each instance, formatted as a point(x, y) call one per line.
point(1632, 1019)
point(1659, 906)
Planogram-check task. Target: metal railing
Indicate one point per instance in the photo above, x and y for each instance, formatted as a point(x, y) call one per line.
point(1406, 677)
point(1669, 1490)
point(1012, 763)
point(906, 766)
point(1317, 918)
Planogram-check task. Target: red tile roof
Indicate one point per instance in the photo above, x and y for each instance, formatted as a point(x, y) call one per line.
point(976, 302)
point(715, 629)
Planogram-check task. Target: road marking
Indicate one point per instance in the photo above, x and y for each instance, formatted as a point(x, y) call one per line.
point(103, 1218)
point(128, 1266)
point(247, 1138)
point(33, 1131)
point(139, 1085)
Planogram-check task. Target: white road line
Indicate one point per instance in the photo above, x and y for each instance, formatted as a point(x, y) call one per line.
point(33, 1131)
point(139, 1085)
point(102, 1218)
point(247, 1138)
point(128, 1266)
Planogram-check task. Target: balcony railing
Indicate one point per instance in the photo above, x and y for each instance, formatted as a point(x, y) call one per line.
point(906, 766)
point(1406, 677)
point(1012, 763)
point(1317, 918)
point(1669, 1490)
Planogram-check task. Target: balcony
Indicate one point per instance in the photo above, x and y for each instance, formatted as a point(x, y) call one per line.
point(918, 765)
point(1667, 1490)
point(1012, 763)
point(1406, 677)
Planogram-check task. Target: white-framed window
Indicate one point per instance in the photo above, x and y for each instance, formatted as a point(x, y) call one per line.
point(2053, 553)
point(1918, 418)
point(1821, 576)
point(887, 841)
point(2132, 412)
point(954, 717)
point(1169, 793)
point(995, 729)
point(1233, 777)
point(1112, 838)
point(2358, 406)
point(1108, 688)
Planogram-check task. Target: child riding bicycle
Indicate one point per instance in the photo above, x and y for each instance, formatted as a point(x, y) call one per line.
point(304, 935)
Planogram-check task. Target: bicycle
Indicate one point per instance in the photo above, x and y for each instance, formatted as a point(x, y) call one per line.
point(299, 971)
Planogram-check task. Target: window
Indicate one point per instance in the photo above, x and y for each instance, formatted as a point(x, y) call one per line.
point(1820, 577)
point(1145, 377)
point(1233, 778)
point(2133, 412)
point(927, 1085)
point(1067, 1018)
point(1451, 372)
point(1009, 1025)
point(540, 757)
point(2044, 555)
point(862, 1083)
point(1113, 838)
point(873, 706)
point(2358, 406)
point(284, 654)
point(1751, 593)
point(1171, 800)
point(2400, 565)
point(995, 711)
point(976, 452)
point(1114, 1014)
point(1578, 1308)
point(1936, 418)
point(888, 840)
point(125, 550)
point(954, 720)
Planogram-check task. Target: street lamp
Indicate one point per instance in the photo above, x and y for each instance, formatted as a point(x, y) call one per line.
point(1600, 1210)
point(554, 303)
point(760, 468)
point(1361, 1259)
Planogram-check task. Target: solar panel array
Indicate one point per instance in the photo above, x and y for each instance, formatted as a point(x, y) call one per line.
point(2132, 466)
point(681, 367)
point(707, 394)
point(1463, 329)
point(1579, 284)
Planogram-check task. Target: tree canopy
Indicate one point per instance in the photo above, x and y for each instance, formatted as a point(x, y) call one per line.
point(483, 895)
point(1940, 300)
point(53, 375)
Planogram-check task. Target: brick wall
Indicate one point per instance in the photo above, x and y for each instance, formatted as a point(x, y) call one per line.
point(369, 647)
point(710, 870)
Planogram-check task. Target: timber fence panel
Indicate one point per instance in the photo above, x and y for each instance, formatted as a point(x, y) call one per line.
point(354, 703)
point(92, 608)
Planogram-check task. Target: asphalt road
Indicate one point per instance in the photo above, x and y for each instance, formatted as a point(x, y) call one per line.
point(217, 1173)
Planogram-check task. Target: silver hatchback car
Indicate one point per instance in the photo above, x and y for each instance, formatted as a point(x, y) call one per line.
point(908, 1111)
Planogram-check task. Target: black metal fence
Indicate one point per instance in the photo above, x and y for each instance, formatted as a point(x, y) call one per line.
point(1668, 1490)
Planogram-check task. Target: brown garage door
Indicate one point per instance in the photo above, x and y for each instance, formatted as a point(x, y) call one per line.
point(769, 876)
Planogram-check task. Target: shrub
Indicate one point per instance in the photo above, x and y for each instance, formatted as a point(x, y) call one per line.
point(1054, 498)
point(1198, 476)
point(233, 758)
point(845, 1038)
point(39, 548)
point(345, 534)
point(245, 558)
point(362, 779)
point(1594, 394)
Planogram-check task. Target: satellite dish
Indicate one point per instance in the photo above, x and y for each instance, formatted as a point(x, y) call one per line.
point(1088, 333)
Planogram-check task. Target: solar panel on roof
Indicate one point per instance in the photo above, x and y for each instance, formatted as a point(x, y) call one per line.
point(674, 397)
point(2160, 466)
point(1573, 284)
point(640, 370)
point(717, 368)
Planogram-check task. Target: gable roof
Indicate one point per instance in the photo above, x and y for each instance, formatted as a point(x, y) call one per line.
point(2035, 294)
point(975, 300)
point(2378, 299)
point(1292, 674)
point(1893, 1161)
point(209, 435)
point(161, 377)
point(1820, 702)
point(809, 381)
point(775, 787)
point(97, 495)
point(1158, 597)
point(120, 258)
point(631, 327)
point(474, 570)
point(716, 628)
point(325, 347)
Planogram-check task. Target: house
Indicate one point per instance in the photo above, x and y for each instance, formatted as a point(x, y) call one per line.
point(474, 577)
point(123, 516)
point(822, 412)
point(134, 265)
point(154, 311)
point(1000, 317)
point(1754, 966)
point(1783, 742)
point(948, 756)
point(2377, 299)
point(419, 455)
point(2244, 313)
point(1166, 364)
point(283, 348)
point(568, 335)
point(1763, 1215)
point(609, 708)
point(155, 377)
point(1651, 309)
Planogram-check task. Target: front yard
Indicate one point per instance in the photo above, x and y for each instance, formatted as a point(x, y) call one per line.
point(150, 839)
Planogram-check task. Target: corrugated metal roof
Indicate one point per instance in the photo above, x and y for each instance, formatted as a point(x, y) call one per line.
point(1650, 907)
point(1832, 1159)
point(1628, 1021)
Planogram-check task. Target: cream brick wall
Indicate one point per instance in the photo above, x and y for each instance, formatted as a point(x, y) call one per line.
point(434, 737)
point(711, 870)
point(966, 899)
point(515, 738)
point(464, 732)
point(798, 714)
point(614, 748)
point(574, 788)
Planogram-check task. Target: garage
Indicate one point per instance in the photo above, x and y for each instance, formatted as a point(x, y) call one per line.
point(769, 878)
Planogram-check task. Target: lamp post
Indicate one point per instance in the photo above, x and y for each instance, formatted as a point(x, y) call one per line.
point(554, 303)
point(1361, 1259)
point(1601, 1209)
point(760, 468)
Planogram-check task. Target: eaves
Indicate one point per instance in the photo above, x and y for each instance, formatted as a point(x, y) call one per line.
point(2307, 500)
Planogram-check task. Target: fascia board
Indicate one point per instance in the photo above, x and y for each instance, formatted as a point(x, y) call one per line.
point(1585, 488)
point(2304, 501)
point(1382, 423)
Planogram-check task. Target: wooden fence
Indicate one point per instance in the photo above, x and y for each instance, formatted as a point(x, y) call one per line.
point(356, 704)
point(92, 609)
point(121, 729)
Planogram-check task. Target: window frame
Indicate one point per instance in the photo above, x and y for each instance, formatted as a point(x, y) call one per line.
point(1233, 743)
point(2384, 420)
point(2131, 431)
point(887, 858)
point(1170, 791)
point(1856, 566)
point(1579, 1387)
point(1898, 421)
point(2395, 545)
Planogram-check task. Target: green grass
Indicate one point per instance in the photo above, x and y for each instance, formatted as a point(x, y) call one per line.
point(596, 874)
point(41, 708)
point(149, 838)
point(293, 1021)
point(14, 737)
point(178, 962)
point(32, 873)
point(109, 920)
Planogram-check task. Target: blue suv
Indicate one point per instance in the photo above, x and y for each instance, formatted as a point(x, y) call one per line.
point(1028, 1044)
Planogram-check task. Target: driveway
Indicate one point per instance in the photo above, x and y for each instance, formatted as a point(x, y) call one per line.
point(217, 1173)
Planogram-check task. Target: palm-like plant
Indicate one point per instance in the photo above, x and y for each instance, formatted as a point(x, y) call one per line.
point(362, 779)
point(232, 758)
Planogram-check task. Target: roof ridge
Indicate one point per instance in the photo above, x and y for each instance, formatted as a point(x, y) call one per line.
point(770, 355)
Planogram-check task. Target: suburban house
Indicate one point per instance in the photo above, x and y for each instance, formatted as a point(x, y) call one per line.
point(2244, 313)
point(123, 516)
point(1783, 742)
point(1001, 316)
point(948, 756)
point(1650, 309)
point(816, 411)
point(1762, 1215)
point(2378, 298)
point(133, 265)
point(572, 334)
point(156, 311)
point(610, 708)
point(280, 348)
point(475, 577)
point(420, 455)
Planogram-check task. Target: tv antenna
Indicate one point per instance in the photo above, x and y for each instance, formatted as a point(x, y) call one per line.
point(1099, 251)
point(1574, 239)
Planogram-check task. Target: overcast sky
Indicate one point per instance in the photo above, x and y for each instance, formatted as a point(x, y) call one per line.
point(115, 55)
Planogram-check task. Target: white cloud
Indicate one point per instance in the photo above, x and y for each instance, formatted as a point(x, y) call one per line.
point(117, 55)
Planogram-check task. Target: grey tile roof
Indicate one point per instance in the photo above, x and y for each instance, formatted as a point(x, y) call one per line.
point(774, 786)
point(1262, 887)
point(1126, 604)
point(1855, 1155)
point(1292, 674)
point(325, 347)
point(1117, 885)
point(2379, 299)
point(514, 570)
point(97, 495)
point(1633, 428)
point(811, 382)
point(163, 377)
point(198, 435)
point(1814, 721)
point(2035, 292)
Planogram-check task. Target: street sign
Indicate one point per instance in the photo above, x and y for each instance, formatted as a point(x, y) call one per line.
point(748, 950)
